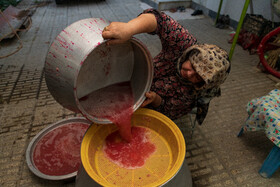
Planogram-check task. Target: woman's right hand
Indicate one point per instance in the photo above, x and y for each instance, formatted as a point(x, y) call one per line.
point(117, 32)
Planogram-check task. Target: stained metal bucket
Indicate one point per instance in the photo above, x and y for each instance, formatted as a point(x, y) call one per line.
point(79, 62)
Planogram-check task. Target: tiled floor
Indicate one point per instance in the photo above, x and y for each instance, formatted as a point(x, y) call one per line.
point(216, 157)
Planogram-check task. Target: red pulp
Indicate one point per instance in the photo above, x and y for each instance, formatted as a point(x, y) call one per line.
point(58, 152)
point(129, 155)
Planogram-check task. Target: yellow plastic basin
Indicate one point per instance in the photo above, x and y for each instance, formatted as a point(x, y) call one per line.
point(160, 167)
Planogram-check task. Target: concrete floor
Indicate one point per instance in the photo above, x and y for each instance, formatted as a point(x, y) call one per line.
point(216, 157)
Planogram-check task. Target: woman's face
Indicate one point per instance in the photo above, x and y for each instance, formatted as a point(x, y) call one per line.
point(188, 72)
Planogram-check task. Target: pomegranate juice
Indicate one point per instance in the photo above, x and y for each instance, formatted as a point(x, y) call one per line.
point(58, 152)
point(114, 102)
point(129, 155)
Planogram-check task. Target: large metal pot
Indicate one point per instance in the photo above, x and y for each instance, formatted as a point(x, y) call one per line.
point(79, 62)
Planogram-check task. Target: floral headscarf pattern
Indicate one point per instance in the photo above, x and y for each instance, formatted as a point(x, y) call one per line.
point(209, 61)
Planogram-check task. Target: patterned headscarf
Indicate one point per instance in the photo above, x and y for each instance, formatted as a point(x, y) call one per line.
point(210, 62)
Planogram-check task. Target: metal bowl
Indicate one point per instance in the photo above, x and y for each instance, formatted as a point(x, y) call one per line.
point(36, 139)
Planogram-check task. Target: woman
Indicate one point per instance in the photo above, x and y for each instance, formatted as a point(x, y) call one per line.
point(186, 74)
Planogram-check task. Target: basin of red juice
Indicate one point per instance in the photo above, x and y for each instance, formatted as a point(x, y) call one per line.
point(58, 152)
point(129, 155)
point(114, 102)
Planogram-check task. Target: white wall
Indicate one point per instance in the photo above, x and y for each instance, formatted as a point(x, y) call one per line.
point(234, 8)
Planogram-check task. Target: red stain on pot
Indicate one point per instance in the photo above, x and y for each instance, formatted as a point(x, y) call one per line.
point(58, 152)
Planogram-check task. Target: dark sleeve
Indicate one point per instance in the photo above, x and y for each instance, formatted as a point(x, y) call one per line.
point(173, 36)
point(202, 110)
point(203, 102)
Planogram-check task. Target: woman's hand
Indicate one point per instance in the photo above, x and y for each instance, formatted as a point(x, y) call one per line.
point(117, 32)
point(153, 99)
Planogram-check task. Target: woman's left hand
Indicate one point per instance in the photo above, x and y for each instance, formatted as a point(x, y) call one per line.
point(152, 98)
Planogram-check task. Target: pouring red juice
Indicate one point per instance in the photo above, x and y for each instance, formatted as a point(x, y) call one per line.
point(114, 102)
